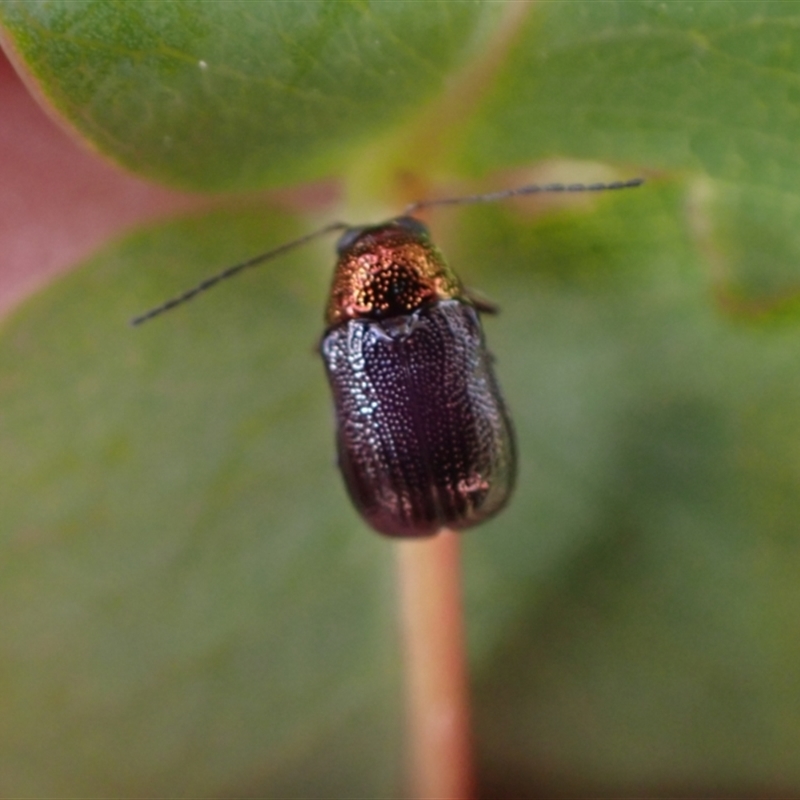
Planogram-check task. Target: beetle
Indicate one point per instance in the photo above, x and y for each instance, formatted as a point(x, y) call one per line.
point(424, 439)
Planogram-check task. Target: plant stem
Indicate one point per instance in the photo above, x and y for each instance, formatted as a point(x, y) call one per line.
point(437, 690)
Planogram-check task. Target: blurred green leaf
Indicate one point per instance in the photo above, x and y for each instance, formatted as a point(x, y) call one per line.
point(678, 85)
point(184, 590)
point(187, 604)
point(239, 94)
point(633, 612)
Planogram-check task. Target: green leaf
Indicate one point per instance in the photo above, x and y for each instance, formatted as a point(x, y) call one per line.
point(188, 604)
point(241, 95)
point(187, 592)
point(678, 85)
point(752, 246)
point(184, 590)
point(633, 613)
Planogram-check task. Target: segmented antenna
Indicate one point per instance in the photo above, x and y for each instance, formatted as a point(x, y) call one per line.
point(533, 188)
point(490, 197)
point(229, 272)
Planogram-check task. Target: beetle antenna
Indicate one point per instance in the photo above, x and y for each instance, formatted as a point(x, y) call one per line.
point(229, 272)
point(522, 190)
point(491, 197)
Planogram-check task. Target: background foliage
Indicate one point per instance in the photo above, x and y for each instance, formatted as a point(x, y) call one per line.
point(189, 606)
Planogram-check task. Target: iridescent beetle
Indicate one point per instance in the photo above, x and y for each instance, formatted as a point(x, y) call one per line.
point(423, 435)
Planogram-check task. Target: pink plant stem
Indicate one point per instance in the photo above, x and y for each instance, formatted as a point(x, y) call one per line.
point(437, 682)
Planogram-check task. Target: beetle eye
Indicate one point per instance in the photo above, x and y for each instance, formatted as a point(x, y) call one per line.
point(412, 225)
point(348, 239)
